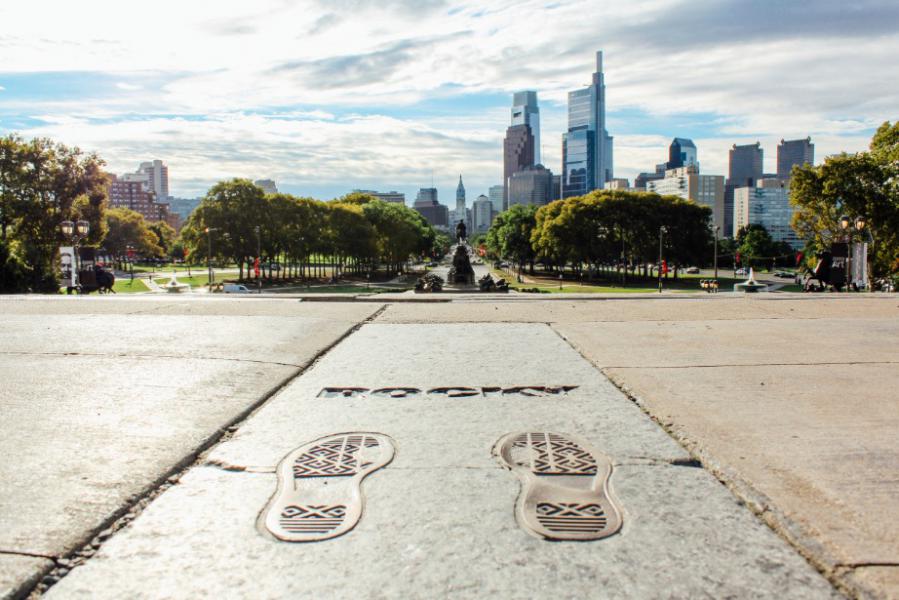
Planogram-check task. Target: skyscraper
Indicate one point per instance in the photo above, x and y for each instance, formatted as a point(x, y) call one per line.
point(482, 214)
point(526, 112)
point(587, 146)
point(531, 185)
point(155, 177)
point(745, 169)
point(745, 165)
point(460, 195)
point(518, 153)
point(495, 193)
point(794, 152)
point(681, 153)
point(434, 213)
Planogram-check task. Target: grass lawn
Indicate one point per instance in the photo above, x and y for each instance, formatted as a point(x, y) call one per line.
point(126, 286)
point(793, 287)
point(331, 289)
point(198, 280)
point(684, 284)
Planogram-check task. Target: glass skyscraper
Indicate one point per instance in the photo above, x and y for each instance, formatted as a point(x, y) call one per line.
point(587, 146)
point(526, 112)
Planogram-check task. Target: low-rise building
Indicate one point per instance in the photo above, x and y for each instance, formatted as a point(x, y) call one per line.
point(396, 197)
point(687, 183)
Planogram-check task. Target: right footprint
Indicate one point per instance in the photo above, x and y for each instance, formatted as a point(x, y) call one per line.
point(565, 486)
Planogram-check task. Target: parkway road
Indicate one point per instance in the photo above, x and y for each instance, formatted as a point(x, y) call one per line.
point(752, 440)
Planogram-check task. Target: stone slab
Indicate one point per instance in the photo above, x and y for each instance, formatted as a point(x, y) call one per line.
point(816, 445)
point(446, 532)
point(881, 582)
point(18, 573)
point(562, 308)
point(439, 519)
point(426, 356)
point(737, 342)
point(75, 452)
point(103, 397)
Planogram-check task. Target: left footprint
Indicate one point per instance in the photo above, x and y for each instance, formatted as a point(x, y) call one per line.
point(319, 493)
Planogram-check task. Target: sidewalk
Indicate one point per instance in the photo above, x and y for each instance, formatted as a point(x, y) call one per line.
point(761, 393)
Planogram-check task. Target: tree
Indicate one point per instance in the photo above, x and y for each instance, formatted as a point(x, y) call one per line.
point(864, 184)
point(755, 246)
point(510, 235)
point(232, 210)
point(43, 183)
point(165, 237)
point(129, 228)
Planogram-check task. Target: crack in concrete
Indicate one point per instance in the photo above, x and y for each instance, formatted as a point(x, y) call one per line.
point(730, 366)
point(146, 356)
point(29, 554)
point(122, 518)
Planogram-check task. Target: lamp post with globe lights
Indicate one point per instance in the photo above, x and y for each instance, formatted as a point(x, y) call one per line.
point(75, 231)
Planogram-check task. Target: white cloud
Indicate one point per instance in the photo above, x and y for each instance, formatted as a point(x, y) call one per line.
point(761, 70)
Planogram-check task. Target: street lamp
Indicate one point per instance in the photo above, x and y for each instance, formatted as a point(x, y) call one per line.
point(662, 231)
point(717, 231)
point(845, 222)
point(258, 260)
point(76, 232)
point(209, 231)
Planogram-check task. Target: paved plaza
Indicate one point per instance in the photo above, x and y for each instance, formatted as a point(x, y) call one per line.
point(752, 441)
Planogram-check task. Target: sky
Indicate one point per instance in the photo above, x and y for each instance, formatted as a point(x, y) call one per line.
point(325, 96)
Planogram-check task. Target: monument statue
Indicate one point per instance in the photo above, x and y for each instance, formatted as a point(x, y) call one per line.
point(461, 271)
point(461, 232)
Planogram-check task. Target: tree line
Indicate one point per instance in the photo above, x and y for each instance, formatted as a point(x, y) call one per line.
point(354, 234)
point(604, 230)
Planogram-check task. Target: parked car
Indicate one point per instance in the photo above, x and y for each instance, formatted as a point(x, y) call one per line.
point(741, 271)
point(692, 271)
point(235, 288)
point(784, 274)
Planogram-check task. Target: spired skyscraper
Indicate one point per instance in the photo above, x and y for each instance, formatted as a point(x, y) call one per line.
point(587, 147)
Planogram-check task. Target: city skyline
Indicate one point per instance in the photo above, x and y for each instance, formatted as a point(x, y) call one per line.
point(336, 99)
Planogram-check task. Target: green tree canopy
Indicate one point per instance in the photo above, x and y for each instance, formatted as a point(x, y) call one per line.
point(865, 184)
point(129, 228)
point(43, 183)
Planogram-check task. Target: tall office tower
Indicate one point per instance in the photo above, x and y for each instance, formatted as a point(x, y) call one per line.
point(434, 213)
point(526, 112)
point(482, 214)
point(518, 153)
point(794, 152)
point(681, 153)
point(495, 193)
point(767, 205)
point(460, 195)
point(744, 171)
point(155, 176)
point(587, 146)
point(531, 185)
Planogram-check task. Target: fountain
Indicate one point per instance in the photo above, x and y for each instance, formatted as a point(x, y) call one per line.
point(175, 287)
point(750, 286)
